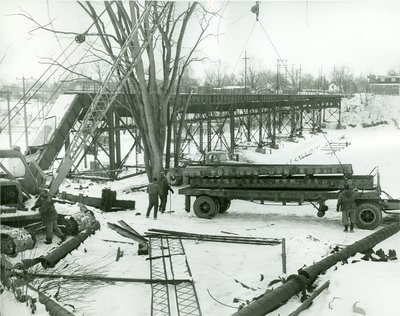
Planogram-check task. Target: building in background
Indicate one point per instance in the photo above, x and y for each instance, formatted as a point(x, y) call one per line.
point(384, 84)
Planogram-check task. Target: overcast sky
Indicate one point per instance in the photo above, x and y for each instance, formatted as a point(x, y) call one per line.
point(362, 35)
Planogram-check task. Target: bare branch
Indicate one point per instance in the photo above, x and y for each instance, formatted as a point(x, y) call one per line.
point(55, 62)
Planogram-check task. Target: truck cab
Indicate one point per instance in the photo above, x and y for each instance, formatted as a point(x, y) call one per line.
point(221, 157)
point(14, 170)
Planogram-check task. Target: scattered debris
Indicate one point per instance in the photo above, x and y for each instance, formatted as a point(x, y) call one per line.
point(213, 238)
point(136, 188)
point(128, 232)
point(118, 241)
point(219, 302)
point(245, 286)
point(120, 254)
point(296, 283)
point(358, 310)
point(379, 255)
point(330, 303)
point(108, 201)
point(229, 233)
point(279, 279)
point(308, 301)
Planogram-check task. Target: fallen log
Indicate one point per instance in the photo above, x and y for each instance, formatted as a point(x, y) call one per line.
point(271, 300)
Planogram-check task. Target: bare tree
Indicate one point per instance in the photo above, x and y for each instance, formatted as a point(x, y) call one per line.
point(342, 76)
point(148, 97)
point(3, 55)
point(158, 69)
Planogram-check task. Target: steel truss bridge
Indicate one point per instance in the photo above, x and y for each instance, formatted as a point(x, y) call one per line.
point(212, 122)
point(224, 122)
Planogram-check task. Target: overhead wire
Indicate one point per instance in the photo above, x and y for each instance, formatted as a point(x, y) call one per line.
point(55, 62)
point(244, 46)
point(291, 76)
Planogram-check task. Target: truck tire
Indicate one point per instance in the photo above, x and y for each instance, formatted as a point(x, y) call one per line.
point(224, 204)
point(205, 207)
point(368, 216)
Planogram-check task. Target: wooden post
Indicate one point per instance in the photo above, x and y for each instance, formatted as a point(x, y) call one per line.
point(309, 300)
point(283, 255)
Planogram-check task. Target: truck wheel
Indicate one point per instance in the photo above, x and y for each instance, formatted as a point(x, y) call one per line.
point(368, 216)
point(224, 204)
point(205, 207)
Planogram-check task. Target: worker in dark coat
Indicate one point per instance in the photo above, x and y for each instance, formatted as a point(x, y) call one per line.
point(49, 217)
point(153, 190)
point(164, 188)
point(347, 205)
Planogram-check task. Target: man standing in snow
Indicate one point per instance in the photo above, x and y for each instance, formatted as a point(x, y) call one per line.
point(164, 188)
point(347, 205)
point(153, 191)
point(49, 217)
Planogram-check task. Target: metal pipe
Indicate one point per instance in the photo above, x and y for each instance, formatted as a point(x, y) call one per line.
point(106, 278)
point(52, 307)
point(52, 258)
point(271, 300)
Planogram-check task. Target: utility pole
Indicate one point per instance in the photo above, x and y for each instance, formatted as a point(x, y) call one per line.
point(8, 93)
point(25, 115)
point(279, 63)
point(9, 118)
point(286, 69)
point(292, 77)
point(277, 76)
point(299, 77)
point(245, 70)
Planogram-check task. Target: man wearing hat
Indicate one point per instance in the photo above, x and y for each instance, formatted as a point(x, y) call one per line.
point(164, 188)
point(153, 190)
point(347, 205)
point(49, 217)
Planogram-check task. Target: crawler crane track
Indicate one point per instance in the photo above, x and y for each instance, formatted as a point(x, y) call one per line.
point(173, 290)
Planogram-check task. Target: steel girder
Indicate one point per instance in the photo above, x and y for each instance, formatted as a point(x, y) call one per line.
point(228, 127)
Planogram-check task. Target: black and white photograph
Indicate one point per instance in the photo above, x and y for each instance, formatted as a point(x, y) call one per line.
point(211, 158)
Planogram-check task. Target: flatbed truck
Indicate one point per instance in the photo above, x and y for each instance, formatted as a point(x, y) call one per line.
point(214, 187)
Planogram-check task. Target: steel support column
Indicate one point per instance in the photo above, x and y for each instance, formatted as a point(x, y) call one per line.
point(260, 127)
point(232, 127)
point(117, 141)
point(201, 141)
point(209, 131)
point(111, 143)
point(248, 125)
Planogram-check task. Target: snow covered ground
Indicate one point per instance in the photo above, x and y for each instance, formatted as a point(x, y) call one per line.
point(364, 286)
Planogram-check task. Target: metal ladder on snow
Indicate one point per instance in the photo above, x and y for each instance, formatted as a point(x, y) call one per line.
point(100, 105)
point(172, 285)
